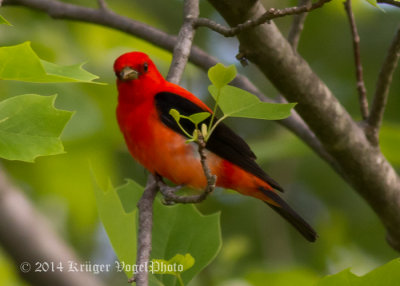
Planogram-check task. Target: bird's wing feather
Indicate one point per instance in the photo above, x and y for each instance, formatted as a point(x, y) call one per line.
point(223, 142)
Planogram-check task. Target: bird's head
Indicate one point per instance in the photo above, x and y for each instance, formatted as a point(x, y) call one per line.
point(133, 66)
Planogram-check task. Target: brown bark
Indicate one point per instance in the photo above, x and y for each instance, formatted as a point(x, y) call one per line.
point(362, 165)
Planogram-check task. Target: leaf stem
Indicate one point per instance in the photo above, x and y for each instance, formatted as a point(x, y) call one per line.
point(214, 126)
point(214, 111)
point(183, 129)
point(180, 279)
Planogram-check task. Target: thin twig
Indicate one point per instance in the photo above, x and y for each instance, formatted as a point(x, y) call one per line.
point(184, 42)
point(390, 2)
point(169, 193)
point(293, 39)
point(270, 14)
point(382, 89)
point(211, 179)
point(102, 5)
point(294, 36)
point(362, 91)
point(297, 25)
point(145, 207)
point(294, 119)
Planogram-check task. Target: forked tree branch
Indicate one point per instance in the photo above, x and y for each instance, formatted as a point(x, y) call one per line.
point(362, 91)
point(382, 89)
point(362, 165)
point(270, 14)
point(184, 42)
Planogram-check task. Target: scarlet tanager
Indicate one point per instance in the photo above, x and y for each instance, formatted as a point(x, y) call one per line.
point(159, 144)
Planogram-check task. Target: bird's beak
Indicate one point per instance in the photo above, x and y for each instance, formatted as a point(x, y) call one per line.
point(128, 74)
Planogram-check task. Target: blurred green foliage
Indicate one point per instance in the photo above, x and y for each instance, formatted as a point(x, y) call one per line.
point(258, 245)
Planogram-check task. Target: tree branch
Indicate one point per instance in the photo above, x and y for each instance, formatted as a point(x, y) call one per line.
point(362, 92)
point(28, 238)
point(184, 42)
point(390, 2)
point(362, 165)
point(295, 123)
point(145, 207)
point(180, 57)
point(297, 25)
point(272, 13)
point(382, 89)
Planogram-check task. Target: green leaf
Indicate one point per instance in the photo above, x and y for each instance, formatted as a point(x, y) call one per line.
point(182, 229)
point(119, 219)
point(195, 118)
point(129, 195)
point(4, 21)
point(375, 4)
point(30, 126)
point(199, 117)
point(21, 63)
point(388, 275)
point(187, 261)
point(220, 75)
point(175, 114)
point(175, 266)
point(67, 73)
point(236, 102)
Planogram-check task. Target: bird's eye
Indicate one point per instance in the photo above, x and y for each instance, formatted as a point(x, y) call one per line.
point(145, 67)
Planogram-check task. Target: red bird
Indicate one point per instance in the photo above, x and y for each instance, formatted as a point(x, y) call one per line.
point(156, 141)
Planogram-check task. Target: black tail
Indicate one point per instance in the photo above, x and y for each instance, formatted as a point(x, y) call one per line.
point(291, 216)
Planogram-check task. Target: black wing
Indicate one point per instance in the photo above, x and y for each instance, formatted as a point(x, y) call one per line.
point(223, 142)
